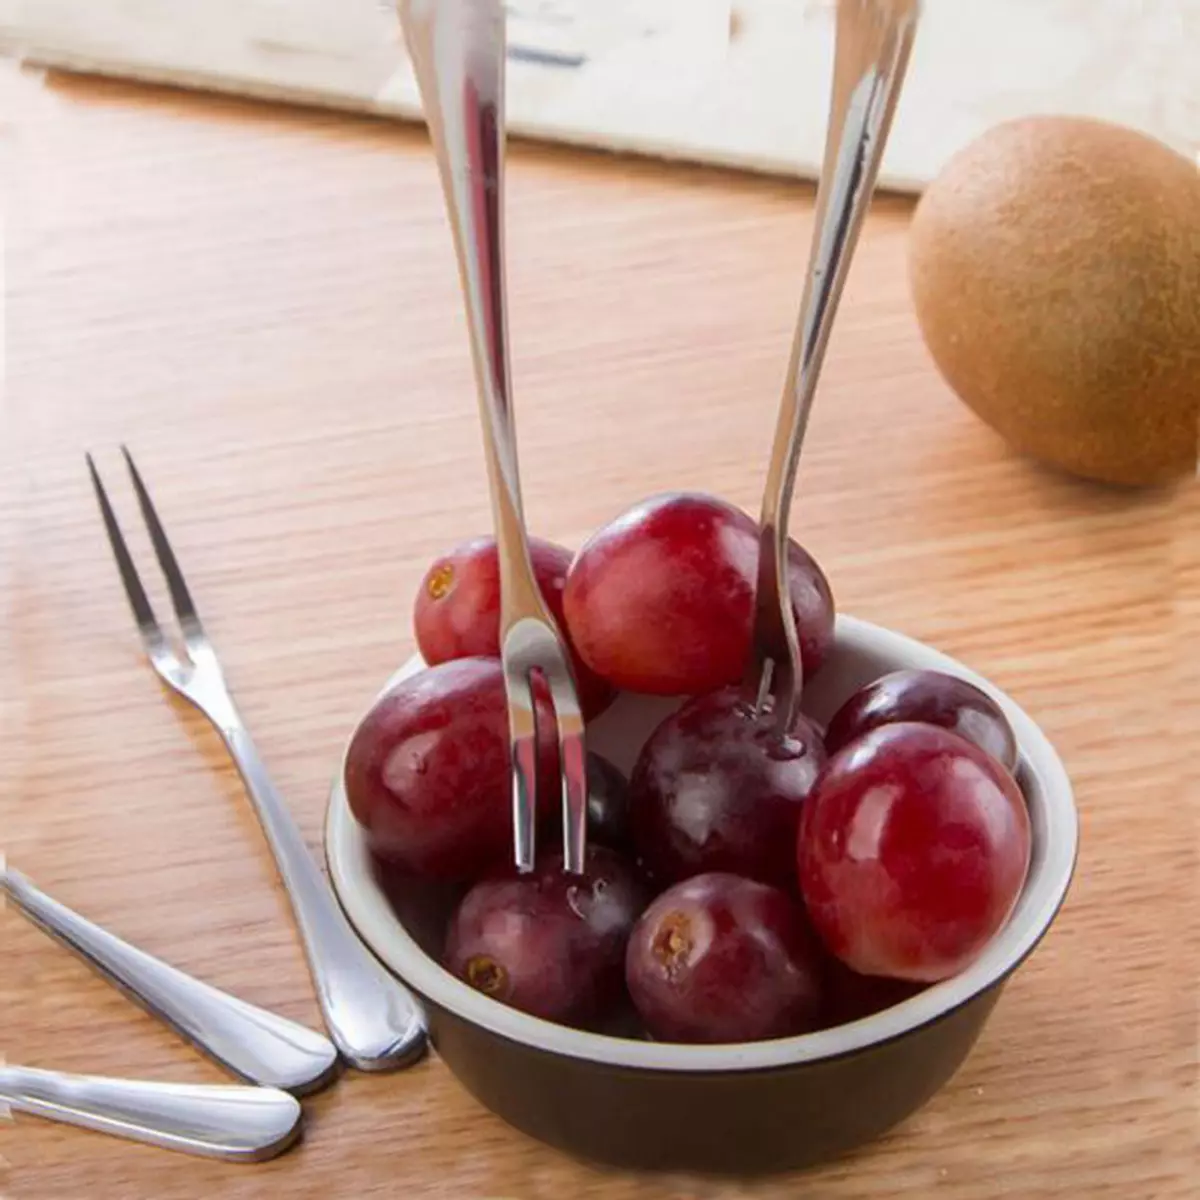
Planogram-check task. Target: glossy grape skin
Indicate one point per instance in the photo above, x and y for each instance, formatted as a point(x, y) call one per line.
point(428, 772)
point(913, 849)
point(932, 698)
point(608, 803)
point(661, 600)
point(716, 788)
point(456, 613)
point(718, 958)
point(549, 943)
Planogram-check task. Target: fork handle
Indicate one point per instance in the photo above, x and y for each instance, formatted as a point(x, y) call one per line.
point(373, 1020)
point(256, 1045)
point(457, 49)
point(233, 1122)
point(872, 46)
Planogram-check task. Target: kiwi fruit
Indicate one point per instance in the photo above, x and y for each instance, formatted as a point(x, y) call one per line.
point(1055, 271)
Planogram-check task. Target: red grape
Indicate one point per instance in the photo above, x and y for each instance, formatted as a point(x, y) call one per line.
point(913, 849)
point(608, 803)
point(932, 698)
point(723, 959)
point(457, 609)
point(428, 772)
point(661, 599)
point(717, 789)
point(549, 943)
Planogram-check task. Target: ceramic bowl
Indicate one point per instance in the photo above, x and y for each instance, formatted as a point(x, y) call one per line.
point(745, 1108)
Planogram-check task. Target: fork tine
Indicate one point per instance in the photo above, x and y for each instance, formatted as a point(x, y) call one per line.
point(572, 762)
point(523, 743)
point(136, 594)
point(181, 599)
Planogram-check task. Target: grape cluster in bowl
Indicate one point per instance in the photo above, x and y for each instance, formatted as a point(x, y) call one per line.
point(743, 884)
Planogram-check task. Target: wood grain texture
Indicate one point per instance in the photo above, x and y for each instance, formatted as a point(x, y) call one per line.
point(263, 305)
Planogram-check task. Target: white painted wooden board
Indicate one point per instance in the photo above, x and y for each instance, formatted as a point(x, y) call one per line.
point(742, 83)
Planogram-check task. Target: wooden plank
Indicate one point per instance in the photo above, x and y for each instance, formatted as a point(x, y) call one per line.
point(263, 303)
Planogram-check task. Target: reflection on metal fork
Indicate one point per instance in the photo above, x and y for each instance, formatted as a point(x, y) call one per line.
point(233, 1122)
point(457, 51)
point(259, 1046)
point(873, 43)
point(372, 1019)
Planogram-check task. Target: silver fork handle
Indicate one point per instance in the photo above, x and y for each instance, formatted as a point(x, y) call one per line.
point(457, 48)
point(239, 1123)
point(873, 43)
point(255, 1044)
point(373, 1020)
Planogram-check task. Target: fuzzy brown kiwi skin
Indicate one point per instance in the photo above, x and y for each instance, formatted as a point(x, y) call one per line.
point(1055, 272)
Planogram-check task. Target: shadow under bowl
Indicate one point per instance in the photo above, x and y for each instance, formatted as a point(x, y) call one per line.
point(748, 1108)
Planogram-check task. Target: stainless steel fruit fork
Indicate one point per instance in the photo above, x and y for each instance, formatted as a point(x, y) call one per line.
point(457, 49)
point(874, 40)
point(372, 1019)
point(229, 1121)
point(258, 1046)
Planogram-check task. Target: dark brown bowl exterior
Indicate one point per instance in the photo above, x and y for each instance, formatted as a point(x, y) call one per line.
point(726, 1122)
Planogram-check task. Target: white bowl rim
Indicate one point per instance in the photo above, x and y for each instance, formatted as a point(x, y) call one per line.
point(1052, 808)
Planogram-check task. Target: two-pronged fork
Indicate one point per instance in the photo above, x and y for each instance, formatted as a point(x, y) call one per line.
point(233, 1122)
point(372, 1019)
point(259, 1046)
point(873, 43)
point(457, 49)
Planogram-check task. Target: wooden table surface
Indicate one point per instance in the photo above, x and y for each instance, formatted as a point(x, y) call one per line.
point(263, 305)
